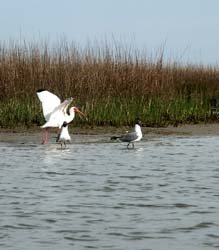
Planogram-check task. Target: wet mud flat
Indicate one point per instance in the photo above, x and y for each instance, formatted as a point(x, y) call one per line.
point(103, 134)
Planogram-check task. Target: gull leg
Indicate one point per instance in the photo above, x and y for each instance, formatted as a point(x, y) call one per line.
point(133, 145)
point(58, 135)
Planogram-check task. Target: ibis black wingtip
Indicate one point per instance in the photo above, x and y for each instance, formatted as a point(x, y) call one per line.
point(40, 90)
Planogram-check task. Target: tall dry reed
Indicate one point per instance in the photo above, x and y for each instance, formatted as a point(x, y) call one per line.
point(113, 86)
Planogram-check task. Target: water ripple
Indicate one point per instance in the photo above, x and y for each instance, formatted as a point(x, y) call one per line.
point(161, 195)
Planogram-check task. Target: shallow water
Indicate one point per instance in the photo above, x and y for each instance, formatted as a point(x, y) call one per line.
point(164, 194)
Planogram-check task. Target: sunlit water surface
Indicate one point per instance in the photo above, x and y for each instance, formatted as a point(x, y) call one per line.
point(164, 194)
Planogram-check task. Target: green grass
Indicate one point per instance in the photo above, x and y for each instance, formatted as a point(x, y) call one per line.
point(115, 112)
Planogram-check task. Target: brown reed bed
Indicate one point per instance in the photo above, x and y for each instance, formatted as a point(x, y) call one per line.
point(113, 86)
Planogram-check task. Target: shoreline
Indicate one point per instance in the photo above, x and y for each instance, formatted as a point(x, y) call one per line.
point(184, 129)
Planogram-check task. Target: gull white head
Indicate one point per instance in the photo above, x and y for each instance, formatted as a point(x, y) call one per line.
point(138, 130)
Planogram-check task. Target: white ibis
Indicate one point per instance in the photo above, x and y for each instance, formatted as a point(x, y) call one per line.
point(64, 135)
point(130, 137)
point(55, 112)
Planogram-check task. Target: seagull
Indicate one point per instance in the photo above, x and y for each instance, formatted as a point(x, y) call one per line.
point(55, 112)
point(130, 137)
point(64, 135)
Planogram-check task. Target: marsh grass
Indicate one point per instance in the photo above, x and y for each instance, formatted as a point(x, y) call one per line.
point(113, 86)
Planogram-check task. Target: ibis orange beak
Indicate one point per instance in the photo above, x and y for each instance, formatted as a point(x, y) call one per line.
point(80, 113)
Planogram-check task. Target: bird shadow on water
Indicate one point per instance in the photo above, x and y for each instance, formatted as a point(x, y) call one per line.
point(63, 149)
point(57, 147)
point(131, 149)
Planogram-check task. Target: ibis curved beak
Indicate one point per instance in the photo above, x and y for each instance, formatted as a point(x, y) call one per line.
point(81, 114)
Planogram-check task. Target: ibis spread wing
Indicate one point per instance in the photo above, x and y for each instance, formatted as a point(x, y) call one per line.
point(49, 102)
point(64, 106)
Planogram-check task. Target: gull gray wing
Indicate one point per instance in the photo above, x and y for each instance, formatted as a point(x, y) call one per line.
point(129, 137)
